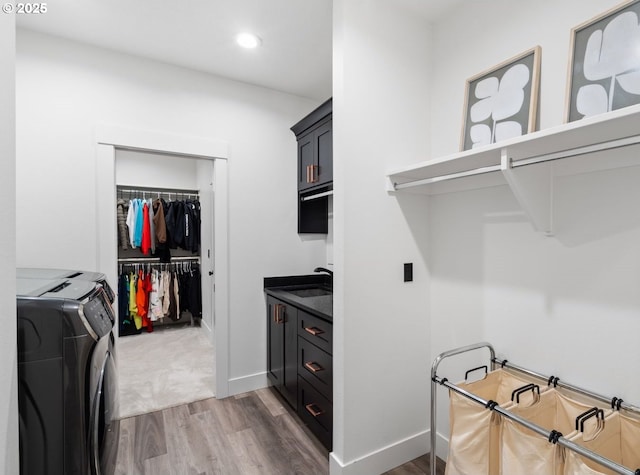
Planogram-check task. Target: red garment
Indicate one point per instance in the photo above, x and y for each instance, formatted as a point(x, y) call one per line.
point(141, 297)
point(147, 287)
point(146, 230)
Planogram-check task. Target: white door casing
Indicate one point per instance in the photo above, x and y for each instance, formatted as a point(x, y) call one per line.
point(108, 138)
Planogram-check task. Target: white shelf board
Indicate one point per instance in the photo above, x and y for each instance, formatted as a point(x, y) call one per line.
point(577, 139)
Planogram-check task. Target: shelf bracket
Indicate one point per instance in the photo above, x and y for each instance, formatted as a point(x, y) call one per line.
point(533, 188)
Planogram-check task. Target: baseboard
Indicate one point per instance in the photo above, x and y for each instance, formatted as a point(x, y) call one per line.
point(384, 459)
point(442, 446)
point(247, 383)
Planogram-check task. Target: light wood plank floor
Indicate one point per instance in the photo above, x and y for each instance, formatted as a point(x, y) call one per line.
point(255, 433)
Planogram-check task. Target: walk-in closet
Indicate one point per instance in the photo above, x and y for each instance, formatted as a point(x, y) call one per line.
point(165, 287)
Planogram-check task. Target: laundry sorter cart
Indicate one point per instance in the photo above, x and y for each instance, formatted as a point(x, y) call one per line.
point(502, 423)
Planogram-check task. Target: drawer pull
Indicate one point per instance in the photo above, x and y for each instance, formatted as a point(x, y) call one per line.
point(314, 410)
point(315, 331)
point(277, 311)
point(313, 366)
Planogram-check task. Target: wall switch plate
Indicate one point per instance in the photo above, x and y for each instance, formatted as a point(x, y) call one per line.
point(408, 272)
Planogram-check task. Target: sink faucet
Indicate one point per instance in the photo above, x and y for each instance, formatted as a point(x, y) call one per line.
point(322, 269)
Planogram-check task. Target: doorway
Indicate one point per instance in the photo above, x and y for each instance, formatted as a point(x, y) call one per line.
point(166, 355)
point(111, 139)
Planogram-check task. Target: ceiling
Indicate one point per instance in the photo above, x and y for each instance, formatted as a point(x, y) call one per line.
point(295, 56)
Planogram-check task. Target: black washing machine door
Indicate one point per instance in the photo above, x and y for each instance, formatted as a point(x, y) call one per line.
point(103, 425)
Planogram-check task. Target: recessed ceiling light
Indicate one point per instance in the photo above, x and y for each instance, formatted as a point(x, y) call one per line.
point(248, 40)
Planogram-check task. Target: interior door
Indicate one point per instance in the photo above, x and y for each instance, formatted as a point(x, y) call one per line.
point(205, 187)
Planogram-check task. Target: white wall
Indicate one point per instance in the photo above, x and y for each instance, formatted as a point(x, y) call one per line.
point(154, 170)
point(65, 89)
point(566, 305)
point(8, 356)
point(381, 327)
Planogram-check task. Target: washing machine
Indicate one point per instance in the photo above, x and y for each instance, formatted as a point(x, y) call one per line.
point(67, 387)
point(46, 273)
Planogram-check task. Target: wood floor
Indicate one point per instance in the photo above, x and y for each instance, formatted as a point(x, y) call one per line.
point(254, 433)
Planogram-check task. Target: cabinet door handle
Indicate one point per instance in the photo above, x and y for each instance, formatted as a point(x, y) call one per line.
point(308, 173)
point(315, 331)
point(314, 173)
point(314, 410)
point(277, 310)
point(313, 366)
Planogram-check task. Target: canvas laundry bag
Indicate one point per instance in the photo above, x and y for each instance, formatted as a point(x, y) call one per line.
point(526, 452)
point(619, 441)
point(474, 443)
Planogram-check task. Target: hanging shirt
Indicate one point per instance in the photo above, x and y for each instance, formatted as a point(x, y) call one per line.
point(146, 229)
point(176, 289)
point(166, 295)
point(158, 222)
point(131, 221)
point(133, 306)
point(137, 238)
point(152, 230)
point(155, 306)
point(146, 288)
point(122, 210)
point(141, 296)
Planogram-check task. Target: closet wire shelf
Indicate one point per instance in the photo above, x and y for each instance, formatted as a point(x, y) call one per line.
point(553, 436)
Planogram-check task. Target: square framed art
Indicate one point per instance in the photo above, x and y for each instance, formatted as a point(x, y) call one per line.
point(502, 102)
point(604, 63)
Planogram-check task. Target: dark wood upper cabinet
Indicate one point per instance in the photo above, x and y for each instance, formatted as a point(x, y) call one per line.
point(315, 168)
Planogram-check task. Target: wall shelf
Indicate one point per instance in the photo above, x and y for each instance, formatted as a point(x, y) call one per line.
point(528, 164)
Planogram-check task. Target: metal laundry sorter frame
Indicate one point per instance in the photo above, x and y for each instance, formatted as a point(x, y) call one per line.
point(553, 436)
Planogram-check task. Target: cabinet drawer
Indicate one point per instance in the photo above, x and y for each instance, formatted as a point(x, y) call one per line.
point(316, 366)
point(315, 411)
point(316, 330)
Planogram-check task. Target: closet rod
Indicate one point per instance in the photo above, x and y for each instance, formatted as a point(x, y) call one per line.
point(155, 260)
point(451, 176)
point(610, 464)
point(166, 191)
point(558, 383)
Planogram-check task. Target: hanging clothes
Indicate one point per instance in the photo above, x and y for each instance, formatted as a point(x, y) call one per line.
point(123, 234)
point(159, 223)
point(146, 229)
point(148, 296)
point(152, 230)
point(132, 214)
point(133, 306)
point(156, 226)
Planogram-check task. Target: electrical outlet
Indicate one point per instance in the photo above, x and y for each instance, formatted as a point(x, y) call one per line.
point(408, 272)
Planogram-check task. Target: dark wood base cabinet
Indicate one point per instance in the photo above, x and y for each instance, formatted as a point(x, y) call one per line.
point(282, 367)
point(300, 364)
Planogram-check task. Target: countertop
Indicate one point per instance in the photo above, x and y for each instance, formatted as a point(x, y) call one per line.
point(321, 306)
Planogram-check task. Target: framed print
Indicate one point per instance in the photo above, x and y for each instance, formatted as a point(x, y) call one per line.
point(604, 63)
point(502, 103)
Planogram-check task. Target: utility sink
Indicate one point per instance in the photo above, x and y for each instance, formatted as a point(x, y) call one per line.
point(310, 292)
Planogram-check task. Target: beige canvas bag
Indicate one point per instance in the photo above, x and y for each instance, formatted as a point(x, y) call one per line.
point(474, 444)
point(525, 452)
point(619, 441)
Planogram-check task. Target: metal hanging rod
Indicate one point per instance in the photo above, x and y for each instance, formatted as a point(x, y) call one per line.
point(598, 147)
point(160, 191)
point(552, 436)
point(451, 176)
point(156, 260)
point(618, 403)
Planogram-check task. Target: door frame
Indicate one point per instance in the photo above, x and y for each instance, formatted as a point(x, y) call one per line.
point(107, 139)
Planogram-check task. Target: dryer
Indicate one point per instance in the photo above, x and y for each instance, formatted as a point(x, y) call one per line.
point(67, 389)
